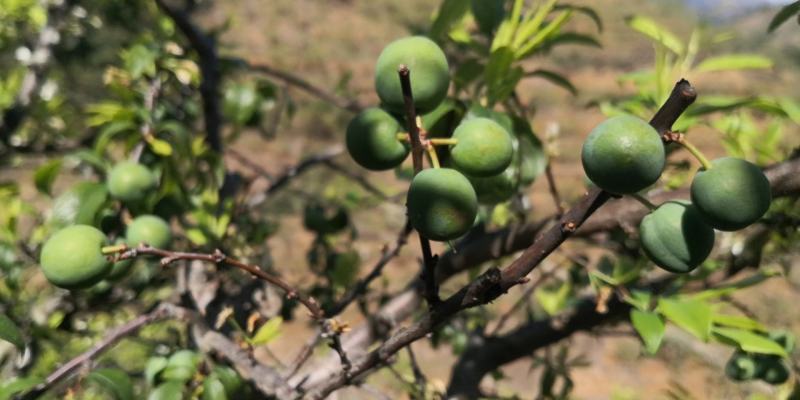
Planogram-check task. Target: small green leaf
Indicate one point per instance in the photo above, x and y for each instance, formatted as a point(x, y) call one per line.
point(139, 61)
point(167, 391)
point(749, 341)
point(738, 321)
point(79, 204)
point(694, 316)
point(651, 29)
point(154, 367)
point(213, 389)
point(268, 332)
point(570, 38)
point(181, 366)
point(10, 332)
point(650, 328)
point(553, 300)
point(731, 62)
point(46, 174)
point(450, 13)
point(639, 299)
point(114, 380)
point(160, 147)
point(783, 15)
point(554, 78)
point(588, 11)
point(17, 385)
point(508, 28)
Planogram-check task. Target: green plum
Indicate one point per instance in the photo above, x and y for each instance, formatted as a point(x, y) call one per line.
point(150, 229)
point(429, 73)
point(442, 204)
point(732, 194)
point(623, 155)
point(130, 181)
point(740, 367)
point(484, 147)
point(372, 140)
point(72, 258)
point(675, 237)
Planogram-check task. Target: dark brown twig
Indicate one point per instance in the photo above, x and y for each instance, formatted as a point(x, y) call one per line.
point(419, 377)
point(417, 150)
point(495, 282)
point(161, 312)
point(551, 185)
point(169, 257)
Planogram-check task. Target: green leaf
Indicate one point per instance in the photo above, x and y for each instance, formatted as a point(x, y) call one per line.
point(783, 15)
point(46, 174)
point(588, 11)
point(344, 268)
point(79, 204)
point(553, 300)
point(738, 321)
point(550, 30)
point(554, 78)
point(791, 108)
point(570, 38)
point(732, 62)
point(499, 64)
point(154, 367)
point(17, 385)
point(114, 380)
point(181, 366)
point(10, 332)
point(507, 30)
point(450, 13)
point(749, 341)
point(650, 328)
point(692, 315)
point(213, 389)
point(139, 61)
point(488, 14)
point(108, 133)
point(268, 332)
point(651, 29)
point(639, 299)
point(167, 391)
point(160, 147)
point(734, 286)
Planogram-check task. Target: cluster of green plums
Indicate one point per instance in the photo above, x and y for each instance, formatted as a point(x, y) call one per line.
point(442, 202)
point(772, 369)
point(73, 257)
point(625, 155)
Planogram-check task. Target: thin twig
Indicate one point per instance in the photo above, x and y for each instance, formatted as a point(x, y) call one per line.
point(241, 158)
point(551, 184)
point(162, 311)
point(419, 377)
point(218, 257)
point(300, 83)
point(362, 285)
point(331, 329)
point(523, 299)
point(361, 180)
point(417, 150)
point(304, 355)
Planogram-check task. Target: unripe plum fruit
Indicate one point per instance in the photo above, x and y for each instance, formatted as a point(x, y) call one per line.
point(732, 194)
point(442, 204)
point(429, 73)
point(498, 188)
point(623, 155)
point(130, 181)
point(372, 140)
point(484, 147)
point(740, 367)
point(72, 258)
point(149, 229)
point(772, 370)
point(324, 219)
point(675, 237)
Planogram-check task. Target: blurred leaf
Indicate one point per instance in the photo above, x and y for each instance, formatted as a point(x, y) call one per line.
point(344, 268)
point(588, 11)
point(181, 366)
point(692, 315)
point(783, 15)
point(79, 204)
point(738, 321)
point(732, 287)
point(530, 26)
point(234, 385)
point(167, 391)
point(89, 157)
point(46, 174)
point(532, 157)
point(154, 367)
point(450, 13)
point(139, 61)
point(11, 333)
point(499, 64)
point(734, 62)
point(750, 342)
point(488, 14)
point(650, 328)
point(791, 107)
point(240, 103)
point(550, 30)
point(553, 300)
point(651, 29)
point(213, 389)
point(160, 147)
point(109, 131)
point(268, 332)
point(17, 385)
point(639, 299)
point(508, 28)
point(115, 380)
point(570, 38)
point(554, 78)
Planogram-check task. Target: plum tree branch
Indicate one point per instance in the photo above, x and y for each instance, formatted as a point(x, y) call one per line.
point(495, 282)
point(417, 150)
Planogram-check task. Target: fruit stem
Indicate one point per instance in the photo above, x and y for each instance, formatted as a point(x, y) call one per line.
point(443, 141)
point(114, 248)
point(644, 201)
point(433, 156)
point(695, 152)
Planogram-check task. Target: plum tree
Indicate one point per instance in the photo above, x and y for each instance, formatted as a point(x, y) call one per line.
point(150, 229)
point(732, 194)
point(430, 78)
point(442, 204)
point(130, 181)
point(675, 237)
point(72, 258)
point(623, 155)
point(372, 141)
point(484, 148)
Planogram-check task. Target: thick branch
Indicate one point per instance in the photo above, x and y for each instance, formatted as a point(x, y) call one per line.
point(206, 49)
point(495, 282)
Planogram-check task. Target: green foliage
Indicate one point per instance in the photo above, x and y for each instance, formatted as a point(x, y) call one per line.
point(10, 332)
point(650, 328)
point(115, 381)
point(783, 15)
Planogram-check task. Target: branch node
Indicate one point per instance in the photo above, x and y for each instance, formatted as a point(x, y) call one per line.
point(569, 226)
